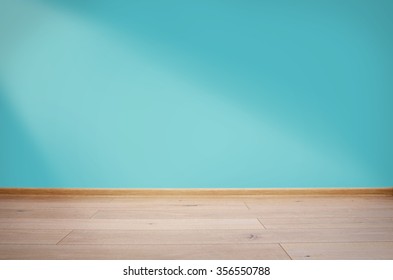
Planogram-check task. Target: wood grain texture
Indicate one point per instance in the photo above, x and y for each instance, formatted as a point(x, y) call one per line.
point(226, 236)
point(130, 224)
point(116, 203)
point(64, 213)
point(196, 227)
point(229, 213)
point(183, 213)
point(29, 236)
point(340, 251)
point(332, 222)
point(144, 252)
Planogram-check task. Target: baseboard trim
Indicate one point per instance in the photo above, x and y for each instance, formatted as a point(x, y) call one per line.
point(196, 192)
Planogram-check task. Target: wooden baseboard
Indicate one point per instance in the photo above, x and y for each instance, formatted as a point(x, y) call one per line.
point(196, 192)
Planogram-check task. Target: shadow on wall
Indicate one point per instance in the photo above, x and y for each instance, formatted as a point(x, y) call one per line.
point(21, 163)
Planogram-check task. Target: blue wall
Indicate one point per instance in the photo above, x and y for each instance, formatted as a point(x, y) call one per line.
point(203, 93)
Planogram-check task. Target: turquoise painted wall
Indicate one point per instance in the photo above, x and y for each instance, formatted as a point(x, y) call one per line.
point(200, 93)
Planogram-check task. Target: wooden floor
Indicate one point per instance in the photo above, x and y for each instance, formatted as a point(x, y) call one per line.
point(200, 227)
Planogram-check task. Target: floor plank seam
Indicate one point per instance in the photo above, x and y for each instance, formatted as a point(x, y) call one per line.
point(94, 214)
point(157, 244)
point(259, 220)
point(245, 203)
point(174, 230)
point(64, 237)
point(285, 251)
point(203, 244)
point(338, 228)
point(338, 242)
point(30, 244)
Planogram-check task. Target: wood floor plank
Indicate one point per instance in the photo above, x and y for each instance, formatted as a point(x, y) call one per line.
point(340, 251)
point(226, 236)
point(229, 212)
point(228, 201)
point(55, 205)
point(320, 212)
point(20, 236)
point(174, 204)
point(63, 213)
point(135, 224)
point(56, 199)
point(144, 252)
point(185, 213)
point(331, 222)
point(319, 200)
point(187, 206)
point(322, 207)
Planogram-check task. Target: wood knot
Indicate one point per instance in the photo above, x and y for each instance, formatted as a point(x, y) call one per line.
point(252, 236)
